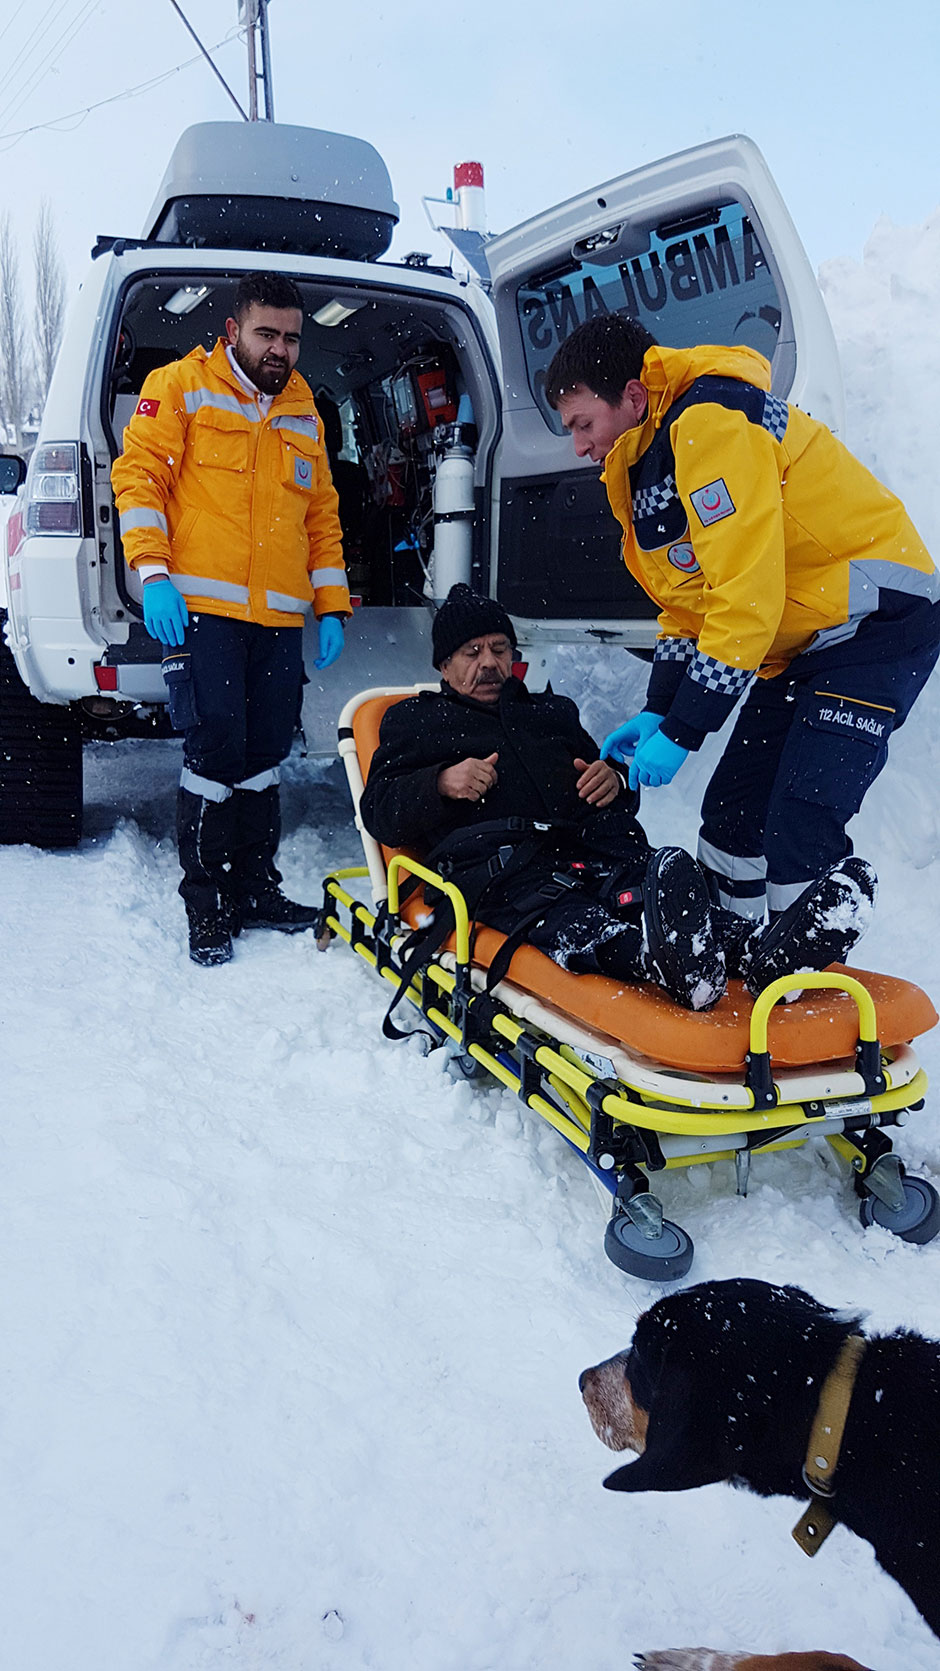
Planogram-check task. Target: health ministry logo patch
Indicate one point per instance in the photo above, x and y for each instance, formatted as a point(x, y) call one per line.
point(682, 557)
point(302, 471)
point(712, 502)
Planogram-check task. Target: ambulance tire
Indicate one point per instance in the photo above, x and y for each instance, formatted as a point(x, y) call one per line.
point(40, 764)
point(917, 1221)
point(663, 1258)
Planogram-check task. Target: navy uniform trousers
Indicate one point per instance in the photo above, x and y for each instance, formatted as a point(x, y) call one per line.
point(234, 692)
point(807, 746)
point(244, 694)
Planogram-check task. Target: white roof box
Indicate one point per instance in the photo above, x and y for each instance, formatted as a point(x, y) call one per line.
point(267, 186)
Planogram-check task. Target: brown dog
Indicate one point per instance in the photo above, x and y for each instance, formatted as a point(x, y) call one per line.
point(722, 1382)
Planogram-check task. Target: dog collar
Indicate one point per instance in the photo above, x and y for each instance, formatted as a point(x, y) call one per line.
point(825, 1442)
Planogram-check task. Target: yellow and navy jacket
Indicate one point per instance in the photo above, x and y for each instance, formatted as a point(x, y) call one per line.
point(759, 535)
point(240, 507)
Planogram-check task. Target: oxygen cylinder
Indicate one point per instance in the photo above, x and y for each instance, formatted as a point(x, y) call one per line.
point(453, 520)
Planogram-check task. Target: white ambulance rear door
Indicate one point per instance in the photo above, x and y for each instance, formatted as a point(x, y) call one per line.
point(700, 248)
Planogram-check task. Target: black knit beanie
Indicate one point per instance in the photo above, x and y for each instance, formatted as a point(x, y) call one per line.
point(464, 615)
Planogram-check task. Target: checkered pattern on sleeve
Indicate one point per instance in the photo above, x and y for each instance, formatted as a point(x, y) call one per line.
point(649, 501)
point(674, 649)
point(718, 676)
point(776, 416)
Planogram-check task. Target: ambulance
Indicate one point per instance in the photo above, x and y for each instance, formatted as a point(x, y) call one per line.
point(448, 461)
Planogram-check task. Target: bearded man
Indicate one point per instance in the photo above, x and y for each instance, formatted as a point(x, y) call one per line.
point(229, 516)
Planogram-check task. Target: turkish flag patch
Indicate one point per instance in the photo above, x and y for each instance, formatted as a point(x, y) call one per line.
point(147, 409)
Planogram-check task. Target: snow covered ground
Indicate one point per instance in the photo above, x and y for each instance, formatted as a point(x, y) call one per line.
point(292, 1323)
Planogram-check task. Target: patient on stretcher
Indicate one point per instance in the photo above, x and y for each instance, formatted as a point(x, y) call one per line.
point(503, 792)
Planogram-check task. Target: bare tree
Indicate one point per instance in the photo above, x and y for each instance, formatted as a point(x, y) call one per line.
point(13, 367)
point(50, 297)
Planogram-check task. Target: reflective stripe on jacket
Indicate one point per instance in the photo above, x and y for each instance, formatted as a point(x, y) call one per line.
point(756, 531)
point(241, 508)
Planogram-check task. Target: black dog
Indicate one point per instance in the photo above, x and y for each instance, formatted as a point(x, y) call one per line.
point(722, 1383)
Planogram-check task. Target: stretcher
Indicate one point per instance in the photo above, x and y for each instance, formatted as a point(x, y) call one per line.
point(637, 1085)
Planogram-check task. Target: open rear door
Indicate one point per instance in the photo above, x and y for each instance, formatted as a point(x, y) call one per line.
point(700, 248)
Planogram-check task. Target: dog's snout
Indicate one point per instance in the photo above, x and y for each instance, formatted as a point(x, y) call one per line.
point(609, 1403)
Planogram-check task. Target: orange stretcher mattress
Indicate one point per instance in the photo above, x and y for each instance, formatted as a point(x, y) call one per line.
point(820, 1027)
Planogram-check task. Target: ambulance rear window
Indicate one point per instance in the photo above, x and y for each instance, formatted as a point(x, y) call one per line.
point(702, 277)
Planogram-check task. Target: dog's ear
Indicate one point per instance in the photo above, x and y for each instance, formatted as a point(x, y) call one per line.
point(682, 1449)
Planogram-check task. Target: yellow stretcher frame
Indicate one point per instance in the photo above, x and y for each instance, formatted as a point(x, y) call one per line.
point(573, 1079)
point(626, 1115)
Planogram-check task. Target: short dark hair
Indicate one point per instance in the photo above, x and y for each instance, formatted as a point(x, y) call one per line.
point(269, 290)
point(602, 355)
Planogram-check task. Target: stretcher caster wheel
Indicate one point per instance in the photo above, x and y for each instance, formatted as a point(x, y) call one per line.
point(464, 1066)
point(662, 1258)
point(916, 1220)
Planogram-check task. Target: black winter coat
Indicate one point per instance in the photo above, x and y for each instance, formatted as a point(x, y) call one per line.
point(537, 736)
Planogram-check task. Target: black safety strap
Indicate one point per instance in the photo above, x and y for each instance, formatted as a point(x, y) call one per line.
point(420, 950)
point(507, 951)
point(500, 866)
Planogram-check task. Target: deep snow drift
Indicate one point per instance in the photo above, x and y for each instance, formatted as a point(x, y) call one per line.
point(292, 1322)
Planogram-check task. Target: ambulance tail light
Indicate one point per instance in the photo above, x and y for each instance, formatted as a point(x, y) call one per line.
point(54, 490)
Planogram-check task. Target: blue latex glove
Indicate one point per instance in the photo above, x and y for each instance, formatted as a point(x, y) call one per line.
point(656, 762)
point(165, 613)
point(628, 737)
point(331, 642)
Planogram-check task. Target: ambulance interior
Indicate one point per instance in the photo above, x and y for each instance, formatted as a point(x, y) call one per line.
point(399, 381)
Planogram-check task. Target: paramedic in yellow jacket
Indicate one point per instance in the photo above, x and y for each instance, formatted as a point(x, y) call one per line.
point(228, 514)
point(782, 567)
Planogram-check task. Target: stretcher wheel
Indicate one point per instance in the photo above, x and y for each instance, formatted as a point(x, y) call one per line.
point(464, 1066)
point(917, 1221)
point(662, 1258)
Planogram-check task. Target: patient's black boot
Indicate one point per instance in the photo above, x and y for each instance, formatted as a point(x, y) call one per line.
point(819, 928)
point(683, 952)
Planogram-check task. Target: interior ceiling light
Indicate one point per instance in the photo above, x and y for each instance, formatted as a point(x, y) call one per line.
point(333, 313)
point(183, 301)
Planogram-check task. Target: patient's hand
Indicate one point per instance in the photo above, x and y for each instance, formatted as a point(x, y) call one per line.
point(469, 780)
point(598, 783)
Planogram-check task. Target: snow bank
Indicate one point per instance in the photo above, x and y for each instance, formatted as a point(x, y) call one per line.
point(884, 312)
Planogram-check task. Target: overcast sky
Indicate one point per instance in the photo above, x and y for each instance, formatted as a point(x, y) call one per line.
point(841, 97)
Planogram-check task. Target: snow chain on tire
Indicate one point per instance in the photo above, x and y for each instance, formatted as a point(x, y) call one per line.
point(40, 764)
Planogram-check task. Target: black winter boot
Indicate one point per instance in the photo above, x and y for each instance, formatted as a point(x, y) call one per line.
point(205, 836)
point(683, 953)
point(270, 908)
point(819, 928)
point(739, 937)
point(255, 877)
point(210, 936)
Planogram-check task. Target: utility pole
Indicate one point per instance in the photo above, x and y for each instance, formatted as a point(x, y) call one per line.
point(266, 60)
point(253, 14)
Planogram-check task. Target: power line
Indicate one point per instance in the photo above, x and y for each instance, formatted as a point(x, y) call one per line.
point(51, 59)
point(215, 70)
point(32, 42)
point(8, 140)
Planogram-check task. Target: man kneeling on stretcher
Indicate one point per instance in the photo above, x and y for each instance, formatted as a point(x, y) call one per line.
point(502, 791)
